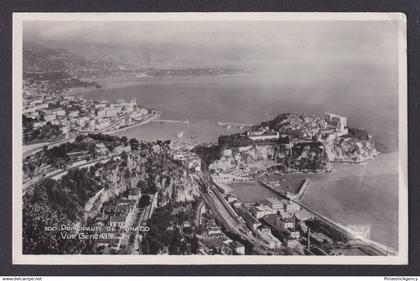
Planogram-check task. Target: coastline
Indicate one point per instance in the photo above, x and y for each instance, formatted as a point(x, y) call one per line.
point(125, 83)
point(380, 247)
point(357, 195)
point(155, 115)
point(119, 82)
point(328, 195)
point(30, 149)
point(361, 161)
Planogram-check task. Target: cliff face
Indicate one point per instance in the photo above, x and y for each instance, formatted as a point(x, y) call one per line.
point(255, 153)
point(183, 189)
point(305, 156)
point(172, 182)
point(350, 149)
point(298, 143)
point(80, 195)
point(244, 155)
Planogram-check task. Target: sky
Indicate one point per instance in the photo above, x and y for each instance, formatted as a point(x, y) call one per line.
point(260, 42)
point(349, 63)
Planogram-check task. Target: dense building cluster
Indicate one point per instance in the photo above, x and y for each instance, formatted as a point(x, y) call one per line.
point(301, 127)
point(77, 115)
point(295, 142)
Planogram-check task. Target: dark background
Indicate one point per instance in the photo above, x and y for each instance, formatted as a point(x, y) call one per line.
point(410, 7)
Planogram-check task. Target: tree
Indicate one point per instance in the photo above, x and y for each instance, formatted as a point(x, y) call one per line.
point(145, 246)
point(144, 201)
point(80, 138)
point(194, 245)
point(134, 143)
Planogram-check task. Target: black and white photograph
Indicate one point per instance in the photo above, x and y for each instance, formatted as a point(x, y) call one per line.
point(210, 138)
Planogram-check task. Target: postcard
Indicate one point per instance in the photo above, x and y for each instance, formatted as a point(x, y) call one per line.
point(210, 138)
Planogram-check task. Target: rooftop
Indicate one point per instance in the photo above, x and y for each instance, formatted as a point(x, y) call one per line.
point(235, 244)
point(117, 219)
point(261, 207)
point(214, 242)
point(273, 201)
point(134, 191)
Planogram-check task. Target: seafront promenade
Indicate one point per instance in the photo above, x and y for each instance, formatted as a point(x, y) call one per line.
point(154, 115)
point(165, 121)
point(28, 150)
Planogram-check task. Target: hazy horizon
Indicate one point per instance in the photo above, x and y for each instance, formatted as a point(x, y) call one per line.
point(262, 44)
point(333, 60)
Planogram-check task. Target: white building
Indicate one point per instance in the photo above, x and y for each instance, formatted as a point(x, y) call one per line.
point(262, 134)
point(290, 206)
point(59, 112)
point(111, 112)
point(238, 248)
point(65, 129)
point(268, 136)
point(117, 221)
point(134, 194)
point(74, 113)
point(294, 234)
point(283, 223)
point(39, 124)
point(268, 238)
point(340, 123)
point(102, 124)
point(101, 105)
point(260, 211)
point(274, 203)
point(49, 117)
point(101, 112)
point(139, 113)
point(227, 152)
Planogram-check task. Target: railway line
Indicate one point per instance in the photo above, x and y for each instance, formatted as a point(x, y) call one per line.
point(228, 217)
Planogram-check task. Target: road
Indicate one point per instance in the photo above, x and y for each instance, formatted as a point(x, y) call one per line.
point(171, 121)
point(61, 171)
point(32, 149)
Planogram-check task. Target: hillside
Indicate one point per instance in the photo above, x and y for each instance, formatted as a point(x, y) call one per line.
point(38, 58)
point(79, 196)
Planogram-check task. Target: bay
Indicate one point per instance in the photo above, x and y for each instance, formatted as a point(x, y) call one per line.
point(367, 95)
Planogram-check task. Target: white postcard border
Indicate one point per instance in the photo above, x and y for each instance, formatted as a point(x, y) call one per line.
point(19, 258)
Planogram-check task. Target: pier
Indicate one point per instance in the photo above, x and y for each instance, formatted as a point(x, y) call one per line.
point(166, 121)
point(231, 124)
point(279, 193)
point(304, 185)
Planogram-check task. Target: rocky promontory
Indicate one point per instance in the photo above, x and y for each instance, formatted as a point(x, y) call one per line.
point(298, 143)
